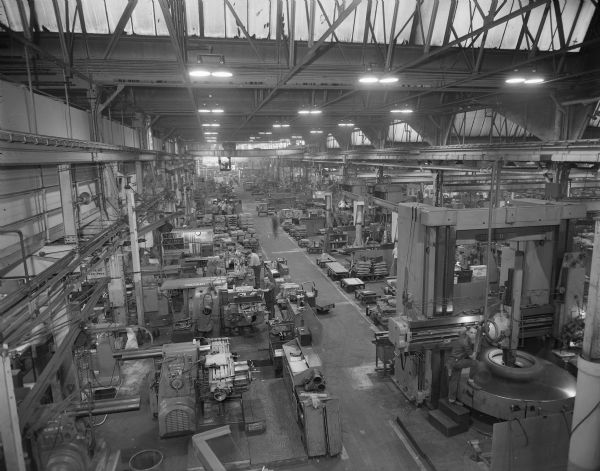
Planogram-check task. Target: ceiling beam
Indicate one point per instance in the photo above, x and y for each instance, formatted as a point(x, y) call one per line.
point(61, 37)
point(310, 55)
point(83, 27)
point(486, 20)
point(392, 37)
point(109, 100)
point(240, 25)
point(492, 24)
point(19, 37)
point(114, 39)
point(180, 59)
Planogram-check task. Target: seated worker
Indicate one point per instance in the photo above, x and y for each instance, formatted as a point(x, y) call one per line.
point(462, 356)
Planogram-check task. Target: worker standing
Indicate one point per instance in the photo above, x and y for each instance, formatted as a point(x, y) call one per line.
point(394, 269)
point(275, 225)
point(254, 263)
point(462, 356)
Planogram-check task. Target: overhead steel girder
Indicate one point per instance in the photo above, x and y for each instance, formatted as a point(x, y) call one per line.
point(254, 153)
point(567, 151)
point(147, 60)
point(311, 54)
point(36, 150)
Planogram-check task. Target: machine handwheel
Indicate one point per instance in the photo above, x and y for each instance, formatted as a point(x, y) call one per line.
point(528, 366)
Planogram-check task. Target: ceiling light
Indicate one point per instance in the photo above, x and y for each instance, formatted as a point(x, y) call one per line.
point(211, 125)
point(303, 111)
point(296, 137)
point(388, 80)
point(210, 133)
point(285, 125)
point(534, 80)
point(316, 131)
point(265, 133)
point(513, 80)
point(221, 74)
point(368, 79)
point(315, 111)
point(217, 110)
point(405, 110)
point(345, 124)
point(199, 73)
point(276, 125)
point(203, 110)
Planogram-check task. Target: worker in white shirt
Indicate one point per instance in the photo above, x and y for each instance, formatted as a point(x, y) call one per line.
point(394, 268)
point(255, 264)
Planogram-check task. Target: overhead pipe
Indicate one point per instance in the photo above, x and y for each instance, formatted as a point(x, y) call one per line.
point(23, 254)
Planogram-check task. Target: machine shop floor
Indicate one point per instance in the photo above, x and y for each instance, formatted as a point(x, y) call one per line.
point(370, 402)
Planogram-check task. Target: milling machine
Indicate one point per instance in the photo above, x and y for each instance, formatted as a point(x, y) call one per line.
point(191, 374)
point(437, 297)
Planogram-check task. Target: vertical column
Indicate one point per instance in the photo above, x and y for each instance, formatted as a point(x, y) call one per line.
point(116, 287)
point(149, 138)
point(583, 449)
point(67, 204)
point(9, 431)
point(135, 257)
point(139, 176)
point(359, 209)
point(328, 210)
point(515, 308)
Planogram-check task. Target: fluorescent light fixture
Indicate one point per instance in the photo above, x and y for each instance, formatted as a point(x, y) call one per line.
point(210, 133)
point(210, 125)
point(402, 110)
point(513, 80)
point(388, 80)
point(534, 80)
point(203, 110)
point(199, 73)
point(303, 111)
point(217, 110)
point(222, 74)
point(276, 125)
point(315, 111)
point(265, 133)
point(368, 79)
point(316, 131)
point(345, 124)
point(285, 125)
point(296, 137)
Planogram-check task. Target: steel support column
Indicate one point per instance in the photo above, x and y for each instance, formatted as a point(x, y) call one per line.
point(116, 287)
point(583, 449)
point(135, 257)
point(139, 177)
point(67, 204)
point(9, 431)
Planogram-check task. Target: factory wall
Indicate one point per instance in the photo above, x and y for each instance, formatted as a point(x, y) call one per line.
point(30, 195)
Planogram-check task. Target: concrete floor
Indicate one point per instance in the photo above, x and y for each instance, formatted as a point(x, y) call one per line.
point(370, 402)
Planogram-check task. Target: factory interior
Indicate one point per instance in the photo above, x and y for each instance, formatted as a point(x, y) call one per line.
point(310, 235)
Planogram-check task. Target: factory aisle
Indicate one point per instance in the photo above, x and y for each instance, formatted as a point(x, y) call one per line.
point(370, 402)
